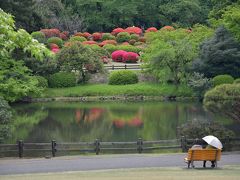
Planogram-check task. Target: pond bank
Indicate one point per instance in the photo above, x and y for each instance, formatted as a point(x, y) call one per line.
point(110, 98)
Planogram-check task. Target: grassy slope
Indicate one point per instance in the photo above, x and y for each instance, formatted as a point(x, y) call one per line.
point(109, 90)
point(225, 173)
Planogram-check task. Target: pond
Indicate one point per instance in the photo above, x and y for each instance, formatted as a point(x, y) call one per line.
point(108, 121)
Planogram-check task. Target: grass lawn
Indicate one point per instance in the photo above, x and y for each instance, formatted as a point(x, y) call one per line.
point(144, 89)
point(225, 173)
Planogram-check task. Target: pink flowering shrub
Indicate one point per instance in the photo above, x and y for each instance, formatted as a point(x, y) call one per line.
point(117, 56)
point(125, 43)
point(113, 42)
point(134, 30)
point(86, 35)
point(52, 45)
point(168, 28)
point(117, 30)
point(89, 42)
point(63, 36)
point(151, 29)
point(51, 32)
point(130, 57)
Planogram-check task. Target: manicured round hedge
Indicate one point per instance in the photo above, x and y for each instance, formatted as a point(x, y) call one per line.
point(110, 48)
point(62, 79)
point(237, 81)
point(123, 37)
point(77, 38)
point(222, 79)
point(123, 77)
point(55, 40)
point(108, 36)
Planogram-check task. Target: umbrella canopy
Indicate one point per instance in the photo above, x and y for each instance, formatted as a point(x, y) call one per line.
point(213, 141)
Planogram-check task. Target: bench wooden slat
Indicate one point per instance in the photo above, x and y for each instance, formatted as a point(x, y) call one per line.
point(204, 155)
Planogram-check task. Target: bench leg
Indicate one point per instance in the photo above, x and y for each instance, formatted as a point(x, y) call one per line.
point(192, 164)
point(204, 164)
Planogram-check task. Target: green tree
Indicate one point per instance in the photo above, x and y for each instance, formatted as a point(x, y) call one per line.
point(230, 17)
point(77, 57)
point(15, 78)
point(23, 13)
point(55, 14)
point(219, 55)
point(170, 52)
point(184, 13)
point(5, 118)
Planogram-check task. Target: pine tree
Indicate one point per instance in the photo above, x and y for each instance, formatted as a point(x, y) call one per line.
point(219, 55)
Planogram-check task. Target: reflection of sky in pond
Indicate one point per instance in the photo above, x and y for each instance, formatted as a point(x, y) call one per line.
point(73, 122)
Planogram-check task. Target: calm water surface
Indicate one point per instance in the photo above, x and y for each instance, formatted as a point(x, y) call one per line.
point(73, 122)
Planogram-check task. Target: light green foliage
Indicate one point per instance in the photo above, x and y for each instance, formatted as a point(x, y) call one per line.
point(62, 79)
point(237, 81)
point(11, 39)
point(98, 50)
point(134, 36)
point(129, 48)
point(77, 38)
point(230, 18)
point(123, 37)
point(42, 82)
point(173, 51)
point(16, 81)
point(123, 77)
point(108, 36)
point(110, 48)
point(222, 79)
point(5, 118)
point(224, 99)
point(55, 40)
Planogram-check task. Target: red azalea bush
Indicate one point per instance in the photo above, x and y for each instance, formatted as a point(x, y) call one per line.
point(151, 29)
point(97, 36)
point(117, 56)
point(63, 36)
point(52, 45)
point(86, 35)
point(130, 57)
point(78, 34)
point(117, 30)
point(66, 33)
point(113, 42)
point(55, 50)
point(125, 43)
point(134, 30)
point(89, 42)
point(51, 32)
point(169, 28)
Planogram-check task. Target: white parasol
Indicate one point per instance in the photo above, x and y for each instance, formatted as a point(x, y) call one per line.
point(213, 141)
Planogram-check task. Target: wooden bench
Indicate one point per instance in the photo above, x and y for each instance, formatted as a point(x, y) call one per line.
point(202, 155)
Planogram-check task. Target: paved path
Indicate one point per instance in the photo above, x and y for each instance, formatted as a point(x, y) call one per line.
point(84, 163)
